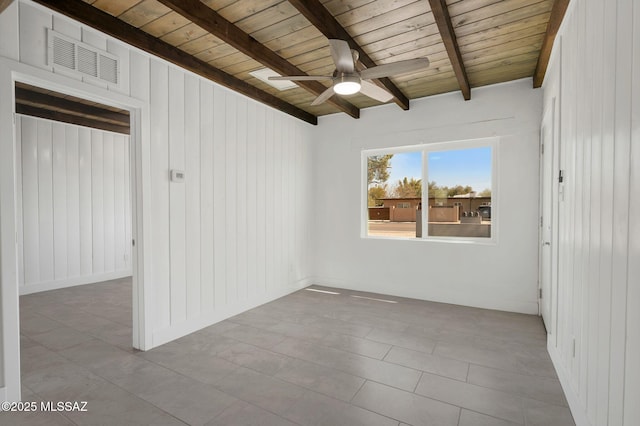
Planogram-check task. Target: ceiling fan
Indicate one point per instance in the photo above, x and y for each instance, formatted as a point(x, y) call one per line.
point(351, 76)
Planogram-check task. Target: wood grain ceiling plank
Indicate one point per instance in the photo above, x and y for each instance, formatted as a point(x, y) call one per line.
point(443, 20)
point(281, 29)
point(496, 10)
point(503, 19)
point(328, 25)
point(297, 45)
point(143, 13)
point(165, 24)
point(500, 66)
point(421, 47)
point(184, 34)
point(266, 17)
point(93, 17)
point(508, 30)
point(115, 7)
point(384, 20)
point(370, 10)
point(557, 15)
point(338, 7)
point(377, 43)
point(238, 10)
point(504, 51)
point(208, 19)
point(416, 24)
point(201, 44)
point(459, 7)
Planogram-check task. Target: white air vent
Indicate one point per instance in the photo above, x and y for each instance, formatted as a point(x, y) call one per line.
point(87, 61)
point(74, 57)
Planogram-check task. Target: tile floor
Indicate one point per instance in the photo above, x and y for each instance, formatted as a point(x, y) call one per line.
point(310, 359)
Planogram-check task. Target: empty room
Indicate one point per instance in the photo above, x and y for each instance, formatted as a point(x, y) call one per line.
point(320, 212)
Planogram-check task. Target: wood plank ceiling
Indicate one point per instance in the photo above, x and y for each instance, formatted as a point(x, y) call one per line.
point(470, 43)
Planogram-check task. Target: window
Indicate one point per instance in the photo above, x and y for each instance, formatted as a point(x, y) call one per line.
point(456, 204)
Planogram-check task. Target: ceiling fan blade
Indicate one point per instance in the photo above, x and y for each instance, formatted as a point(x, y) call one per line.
point(395, 68)
point(323, 96)
point(341, 54)
point(371, 90)
point(302, 77)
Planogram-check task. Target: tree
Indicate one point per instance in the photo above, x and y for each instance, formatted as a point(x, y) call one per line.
point(378, 168)
point(485, 193)
point(375, 194)
point(408, 188)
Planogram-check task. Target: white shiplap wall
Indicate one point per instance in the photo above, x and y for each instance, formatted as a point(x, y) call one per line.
point(595, 78)
point(75, 210)
point(235, 234)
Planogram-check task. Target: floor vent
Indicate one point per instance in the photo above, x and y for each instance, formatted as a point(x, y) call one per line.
point(74, 57)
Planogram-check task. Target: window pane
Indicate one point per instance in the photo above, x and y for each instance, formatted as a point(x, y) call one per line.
point(460, 193)
point(394, 187)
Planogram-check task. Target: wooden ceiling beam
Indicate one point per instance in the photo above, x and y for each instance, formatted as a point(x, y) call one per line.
point(102, 21)
point(43, 100)
point(5, 4)
point(64, 117)
point(209, 20)
point(555, 20)
point(443, 20)
point(327, 24)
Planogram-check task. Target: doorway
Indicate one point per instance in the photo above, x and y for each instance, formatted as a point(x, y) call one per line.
point(10, 74)
point(548, 255)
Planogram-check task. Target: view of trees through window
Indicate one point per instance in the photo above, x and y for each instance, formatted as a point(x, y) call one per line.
point(459, 193)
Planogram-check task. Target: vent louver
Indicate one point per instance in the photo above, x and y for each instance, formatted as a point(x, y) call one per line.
point(79, 58)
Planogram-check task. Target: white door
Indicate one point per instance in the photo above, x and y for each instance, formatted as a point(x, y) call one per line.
point(548, 202)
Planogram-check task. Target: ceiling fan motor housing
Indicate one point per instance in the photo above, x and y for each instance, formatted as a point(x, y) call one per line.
point(346, 84)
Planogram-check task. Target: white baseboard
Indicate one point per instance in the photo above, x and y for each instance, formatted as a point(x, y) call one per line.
point(529, 308)
point(71, 282)
point(160, 337)
point(578, 411)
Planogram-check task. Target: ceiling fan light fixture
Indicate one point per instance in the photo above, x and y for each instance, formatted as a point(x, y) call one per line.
point(346, 85)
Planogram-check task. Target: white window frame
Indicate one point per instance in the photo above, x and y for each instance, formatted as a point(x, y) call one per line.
point(426, 149)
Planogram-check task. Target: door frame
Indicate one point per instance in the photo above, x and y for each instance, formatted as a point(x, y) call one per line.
point(10, 73)
point(550, 119)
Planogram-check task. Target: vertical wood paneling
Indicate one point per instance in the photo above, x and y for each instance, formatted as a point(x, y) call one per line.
point(252, 206)
point(242, 196)
point(9, 22)
point(231, 201)
point(599, 121)
point(73, 201)
point(30, 221)
point(45, 201)
point(220, 199)
point(72, 171)
point(33, 38)
point(85, 148)
point(632, 365)
point(60, 233)
point(108, 200)
point(261, 225)
point(177, 197)
point(269, 205)
point(119, 212)
point(193, 207)
point(227, 237)
point(159, 119)
point(97, 200)
point(206, 198)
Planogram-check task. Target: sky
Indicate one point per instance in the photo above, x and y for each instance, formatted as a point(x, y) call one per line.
point(448, 168)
